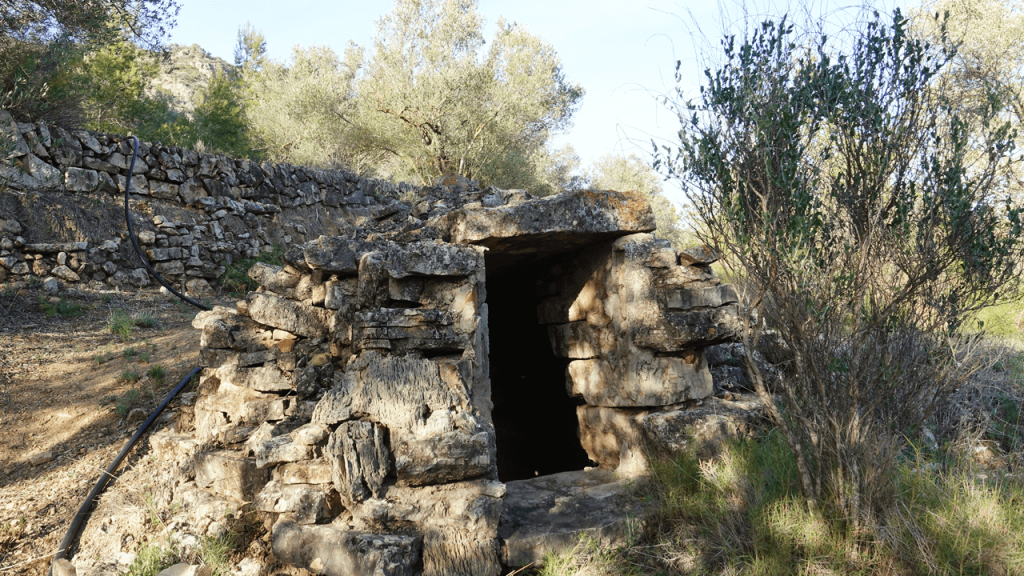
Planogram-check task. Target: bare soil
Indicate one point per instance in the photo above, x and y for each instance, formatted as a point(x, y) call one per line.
point(66, 390)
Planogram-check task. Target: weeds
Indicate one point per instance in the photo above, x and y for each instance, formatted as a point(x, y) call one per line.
point(157, 373)
point(144, 320)
point(120, 324)
point(62, 308)
point(235, 279)
point(739, 511)
point(130, 352)
point(130, 376)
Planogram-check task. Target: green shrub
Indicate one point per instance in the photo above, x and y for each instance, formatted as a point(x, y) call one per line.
point(120, 324)
point(157, 373)
point(144, 320)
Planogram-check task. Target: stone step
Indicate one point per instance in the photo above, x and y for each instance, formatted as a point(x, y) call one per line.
point(550, 513)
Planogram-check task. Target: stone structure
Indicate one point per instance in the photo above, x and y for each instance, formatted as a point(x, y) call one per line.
point(426, 387)
point(361, 390)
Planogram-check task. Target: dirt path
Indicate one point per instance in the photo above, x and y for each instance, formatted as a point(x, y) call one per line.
point(66, 400)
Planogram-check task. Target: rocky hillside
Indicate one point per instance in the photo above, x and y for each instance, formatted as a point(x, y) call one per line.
point(185, 73)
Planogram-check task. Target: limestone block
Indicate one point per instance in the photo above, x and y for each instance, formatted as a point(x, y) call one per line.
point(401, 329)
point(334, 255)
point(281, 449)
point(47, 175)
point(562, 218)
point(703, 255)
point(138, 185)
point(360, 459)
point(263, 378)
point(230, 474)
point(693, 328)
point(642, 379)
point(711, 297)
point(394, 391)
point(405, 289)
point(243, 405)
point(672, 431)
point(578, 340)
point(172, 268)
point(429, 259)
point(308, 503)
point(447, 457)
point(549, 514)
point(459, 523)
point(317, 471)
point(332, 552)
point(65, 273)
point(81, 180)
point(202, 507)
point(310, 434)
point(9, 133)
point(620, 439)
point(275, 278)
point(173, 447)
point(295, 317)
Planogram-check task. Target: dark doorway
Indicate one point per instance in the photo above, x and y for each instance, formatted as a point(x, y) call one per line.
point(534, 417)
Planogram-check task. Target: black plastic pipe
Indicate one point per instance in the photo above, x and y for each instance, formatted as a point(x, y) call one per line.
point(135, 241)
point(101, 484)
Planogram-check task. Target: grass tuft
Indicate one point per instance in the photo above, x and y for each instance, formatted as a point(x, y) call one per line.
point(120, 324)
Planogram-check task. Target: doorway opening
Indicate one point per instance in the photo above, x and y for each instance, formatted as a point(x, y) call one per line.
point(535, 422)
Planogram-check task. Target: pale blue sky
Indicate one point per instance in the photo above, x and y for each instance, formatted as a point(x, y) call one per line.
point(623, 52)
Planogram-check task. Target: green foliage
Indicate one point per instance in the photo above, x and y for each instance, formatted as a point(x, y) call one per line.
point(63, 308)
point(236, 280)
point(219, 120)
point(131, 377)
point(151, 559)
point(120, 324)
point(424, 101)
point(43, 67)
point(130, 352)
point(157, 373)
point(736, 508)
point(838, 178)
point(144, 320)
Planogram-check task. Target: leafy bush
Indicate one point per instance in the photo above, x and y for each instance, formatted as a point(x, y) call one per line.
point(868, 226)
point(120, 324)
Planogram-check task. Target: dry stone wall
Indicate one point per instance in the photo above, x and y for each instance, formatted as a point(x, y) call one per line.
point(350, 396)
point(194, 213)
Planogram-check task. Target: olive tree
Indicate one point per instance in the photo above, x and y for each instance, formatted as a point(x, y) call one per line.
point(424, 100)
point(839, 180)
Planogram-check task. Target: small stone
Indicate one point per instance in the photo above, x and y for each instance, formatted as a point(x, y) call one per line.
point(62, 567)
point(41, 458)
point(65, 273)
point(51, 286)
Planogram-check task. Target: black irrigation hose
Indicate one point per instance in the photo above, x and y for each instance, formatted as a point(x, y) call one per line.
point(135, 241)
point(101, 484)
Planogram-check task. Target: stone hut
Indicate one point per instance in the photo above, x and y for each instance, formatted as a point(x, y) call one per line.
point(460, 398)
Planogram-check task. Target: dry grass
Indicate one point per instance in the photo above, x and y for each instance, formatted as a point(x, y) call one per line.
point(958, 505)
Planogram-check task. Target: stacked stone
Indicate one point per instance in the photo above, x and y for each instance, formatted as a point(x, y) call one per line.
point(214, 209)
point(324, 401)
point(634, 322)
